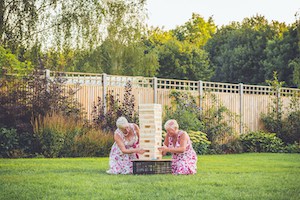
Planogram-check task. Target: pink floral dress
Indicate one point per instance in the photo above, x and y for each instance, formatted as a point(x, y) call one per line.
point(186, 162)
point(120, 163)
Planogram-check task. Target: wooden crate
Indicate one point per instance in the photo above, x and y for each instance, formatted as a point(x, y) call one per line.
point(152, 166)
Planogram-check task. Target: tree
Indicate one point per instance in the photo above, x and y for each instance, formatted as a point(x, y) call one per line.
point(11, 65)
point(181, 60)
point(196, 30)
point(61, 23)
point(282, 53)
point(237, 51)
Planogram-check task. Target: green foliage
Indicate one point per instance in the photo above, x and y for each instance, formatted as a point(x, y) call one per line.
point(199, 141)
point(11, 65)
point(24, 100)
point(132, 58)
point(292, 148)
point(232, 145)
point(8, 142)
point(56, 134)
point(93, 143)
point(182, 60)
point(290, 132)
point(215, 120)
point(185, 110)
point(261, 142)
point(196, 30)
point(282, 54)
point(253, 47)
point(295, 64)
point(286, 125)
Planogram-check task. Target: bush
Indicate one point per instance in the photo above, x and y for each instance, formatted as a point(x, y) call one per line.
point(292, 148)
point(185, 110)
point(199, 141)
point(93, 143)
point(56, 133)
point(261, 142)
point(216, 118)
point(106, 121)
point(291, 128)
point(232, 145)
point(8, 142)
point(286, 124)
point(22, 100)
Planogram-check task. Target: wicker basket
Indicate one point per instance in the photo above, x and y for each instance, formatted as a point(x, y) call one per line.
point(152, 166)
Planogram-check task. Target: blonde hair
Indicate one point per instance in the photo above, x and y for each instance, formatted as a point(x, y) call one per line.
point(121, 122)
point(172, 123)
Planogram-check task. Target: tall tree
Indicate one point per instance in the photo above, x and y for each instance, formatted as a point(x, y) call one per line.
point(196, 30)
point(123, 51)
point(182, 60)
point(60, 23)
point(282, 53)
point(237, 51)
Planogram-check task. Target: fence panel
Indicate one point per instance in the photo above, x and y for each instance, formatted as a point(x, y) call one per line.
point(246, 102)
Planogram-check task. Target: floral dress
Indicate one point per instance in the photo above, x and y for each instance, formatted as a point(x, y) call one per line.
point(120, 163)
point(186, 162)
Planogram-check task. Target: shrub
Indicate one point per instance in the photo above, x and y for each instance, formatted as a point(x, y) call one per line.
point(22, 100)
point(215, 118)
point(8, 142)
point(291, 128)
point(93, 143)
point(56, 132)
point(286, 125)
point(261, 142)
point(185, 110)
point(199, 141)
point(106, 121)
point(292, 148)
point(232, 145)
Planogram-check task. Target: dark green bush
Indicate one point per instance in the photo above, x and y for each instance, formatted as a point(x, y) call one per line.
point(291, 128)
point(292, 148)
point(8, 142)
point(261, 142)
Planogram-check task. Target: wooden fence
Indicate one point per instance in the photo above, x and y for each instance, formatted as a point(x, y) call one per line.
point(248, 102)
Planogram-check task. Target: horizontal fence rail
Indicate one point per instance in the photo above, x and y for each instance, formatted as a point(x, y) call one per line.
point(248, 102)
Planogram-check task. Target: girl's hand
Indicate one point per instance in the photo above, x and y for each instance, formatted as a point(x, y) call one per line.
point(163, 148)
point(141, 151)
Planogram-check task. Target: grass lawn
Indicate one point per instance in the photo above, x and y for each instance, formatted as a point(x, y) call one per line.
point(239, 176)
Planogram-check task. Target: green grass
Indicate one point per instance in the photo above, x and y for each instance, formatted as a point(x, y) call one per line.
point(240, 176)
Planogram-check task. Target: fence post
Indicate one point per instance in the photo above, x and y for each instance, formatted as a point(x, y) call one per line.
point(47, 77)
point(200, 91)
point(104, 85)
point(154, 90)
point(241, 92)
point(278, 106)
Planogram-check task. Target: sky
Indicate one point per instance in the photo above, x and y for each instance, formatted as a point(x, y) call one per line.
point(168, 14)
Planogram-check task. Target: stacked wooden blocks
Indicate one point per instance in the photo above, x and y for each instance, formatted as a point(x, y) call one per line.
point(150, 117)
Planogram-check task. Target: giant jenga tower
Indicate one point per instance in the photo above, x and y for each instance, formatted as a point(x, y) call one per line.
point(150, 117)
